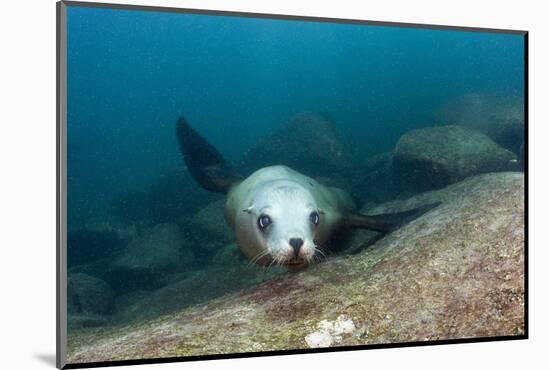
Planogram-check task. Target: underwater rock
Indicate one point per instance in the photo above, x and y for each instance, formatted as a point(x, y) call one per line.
point(377, 161)
point(229, 255)
point(149, 257)
point(499, 117)
point(455, 272)
point(196, 286)
point(379, 184)
point(434, 157)
point(88, 295)
point(78, 321)
point(330, 332)
point(308, 143)
point(127, 304)
point(98, 268)
point(210, 229)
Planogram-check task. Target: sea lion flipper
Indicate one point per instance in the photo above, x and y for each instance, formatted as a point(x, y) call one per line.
point(388, 221)
point(206, 164)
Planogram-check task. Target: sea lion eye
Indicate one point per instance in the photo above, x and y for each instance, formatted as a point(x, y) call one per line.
point(314, 218)
point(264, 221)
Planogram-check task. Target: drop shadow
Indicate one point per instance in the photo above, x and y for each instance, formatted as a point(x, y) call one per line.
point(46, 358)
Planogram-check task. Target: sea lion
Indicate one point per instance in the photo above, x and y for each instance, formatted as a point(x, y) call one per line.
point(279, 215)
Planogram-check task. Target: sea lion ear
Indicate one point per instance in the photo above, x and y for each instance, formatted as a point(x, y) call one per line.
point(249, 209)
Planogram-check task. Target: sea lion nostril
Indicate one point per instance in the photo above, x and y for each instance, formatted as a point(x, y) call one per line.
point(296, 243)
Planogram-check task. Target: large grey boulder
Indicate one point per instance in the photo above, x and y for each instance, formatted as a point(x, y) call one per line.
point(502, 118)
point(88, 294)
point(147, 259)
point(434, 157)
point(455, 272)
point(209, 229)
point(308, 143)
point(89, 301)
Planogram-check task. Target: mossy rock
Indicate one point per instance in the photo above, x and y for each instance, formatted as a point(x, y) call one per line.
point(455, 272)
point(434, 157)
point(502, 118)
point(88, 295)
point(308, 143)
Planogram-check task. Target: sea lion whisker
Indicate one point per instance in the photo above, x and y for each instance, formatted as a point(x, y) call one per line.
point(257, 257)
point(267, 268)
point(273, 260)
point(312, 260)
point(318, 259)
point(318, 250)
point(319, 254)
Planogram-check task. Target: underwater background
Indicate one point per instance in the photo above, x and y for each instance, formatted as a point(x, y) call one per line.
point(339, 102)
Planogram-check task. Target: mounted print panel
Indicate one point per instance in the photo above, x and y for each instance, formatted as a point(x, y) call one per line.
point(235, 184)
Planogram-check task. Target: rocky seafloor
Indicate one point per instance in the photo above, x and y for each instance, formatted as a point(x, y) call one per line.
point(455, 272)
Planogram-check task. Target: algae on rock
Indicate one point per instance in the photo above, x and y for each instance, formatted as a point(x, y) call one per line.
point(455, 272)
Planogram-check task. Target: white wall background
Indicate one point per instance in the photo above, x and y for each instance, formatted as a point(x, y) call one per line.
point(27, 183)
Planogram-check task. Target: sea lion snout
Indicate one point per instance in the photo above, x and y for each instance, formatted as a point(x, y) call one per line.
point(296, 244)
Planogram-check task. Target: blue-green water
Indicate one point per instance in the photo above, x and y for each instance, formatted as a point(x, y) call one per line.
point(131, 74)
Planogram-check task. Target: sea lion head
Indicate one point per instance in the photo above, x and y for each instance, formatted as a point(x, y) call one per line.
point(279, 225)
